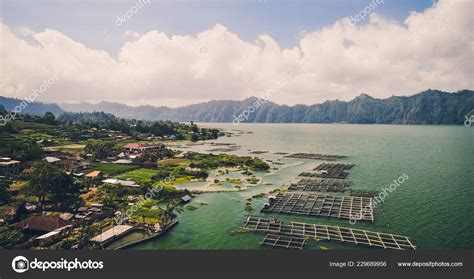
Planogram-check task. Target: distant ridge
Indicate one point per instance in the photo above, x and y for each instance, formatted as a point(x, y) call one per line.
point(9, 104)
point(427, 107)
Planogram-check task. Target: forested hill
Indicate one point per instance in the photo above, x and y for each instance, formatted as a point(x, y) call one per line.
point(428, 107)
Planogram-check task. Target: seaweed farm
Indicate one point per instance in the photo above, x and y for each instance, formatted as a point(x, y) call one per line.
point(294, 234)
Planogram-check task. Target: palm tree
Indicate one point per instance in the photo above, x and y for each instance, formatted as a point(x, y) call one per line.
point(169, 214)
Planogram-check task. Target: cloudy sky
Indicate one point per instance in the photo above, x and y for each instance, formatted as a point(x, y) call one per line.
point(176, 53)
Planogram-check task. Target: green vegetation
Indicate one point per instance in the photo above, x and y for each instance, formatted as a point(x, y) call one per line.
point(99, 149)
point(80, 141)
point(51, 182)
point(253, 180)
point(9, 237)
point(113, 169)
point(139, 175)
point(210, 161)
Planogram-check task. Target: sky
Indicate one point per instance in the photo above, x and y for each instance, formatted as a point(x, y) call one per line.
point(176, 53)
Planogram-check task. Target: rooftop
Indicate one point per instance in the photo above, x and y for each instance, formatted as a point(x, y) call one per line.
point(115, 231)
point(94, 174)
point(40, 223)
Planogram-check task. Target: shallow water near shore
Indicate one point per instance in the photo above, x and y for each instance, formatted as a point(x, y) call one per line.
point(434, 206)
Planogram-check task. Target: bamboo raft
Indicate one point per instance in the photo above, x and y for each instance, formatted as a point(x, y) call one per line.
point(320, 185)
point(313, 156)
point(332, 174)
point(324, 232)
point(283, 241)
point(333, 167)
point(329, 170)
point(344, 207)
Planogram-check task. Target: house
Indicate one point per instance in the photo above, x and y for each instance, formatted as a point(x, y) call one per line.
point(138, 147)
point(186, 198)
point(51, 237)
point(52, 160)
point(66, 216)
point(94, 174)
point(8, 166)
point(41, 224)
point(127, 183)
point(123, 162)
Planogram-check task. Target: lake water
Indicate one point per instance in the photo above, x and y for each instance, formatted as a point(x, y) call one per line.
point(434, 206)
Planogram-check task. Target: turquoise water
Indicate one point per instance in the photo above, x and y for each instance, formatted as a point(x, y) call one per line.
point(434, 206)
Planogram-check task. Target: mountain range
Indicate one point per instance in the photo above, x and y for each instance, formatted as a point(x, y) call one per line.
point(427, 107)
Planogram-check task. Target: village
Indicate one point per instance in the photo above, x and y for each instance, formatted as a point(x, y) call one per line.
point(70, 183)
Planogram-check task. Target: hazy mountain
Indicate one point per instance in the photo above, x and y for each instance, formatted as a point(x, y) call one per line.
point(10, 104)
point(428, 107)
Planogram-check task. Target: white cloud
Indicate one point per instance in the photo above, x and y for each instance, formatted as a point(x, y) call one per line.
point(130, 34)
point(432, 49)
point(25, 31)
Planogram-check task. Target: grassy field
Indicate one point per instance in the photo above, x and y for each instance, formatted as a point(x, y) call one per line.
point(113, 169)
point(139, 174)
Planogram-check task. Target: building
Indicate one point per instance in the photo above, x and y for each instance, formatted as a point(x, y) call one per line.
point(94, 174)
point(53, 236)
point(41, 224)
point(139, 148)
point(9, 166)
point(186, 198)
point(127, 183)
point(111, 234)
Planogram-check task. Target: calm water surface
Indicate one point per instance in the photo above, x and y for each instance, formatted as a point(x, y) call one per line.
point(434, 206)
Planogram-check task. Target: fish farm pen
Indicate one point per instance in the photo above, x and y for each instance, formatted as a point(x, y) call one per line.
point(327, 170)
point(305, 199)
point(320, 185)
point(313, 156)
point(342, 207)
point(336, 174)
point(333, 167)
point(283, 241)
point(291, 234)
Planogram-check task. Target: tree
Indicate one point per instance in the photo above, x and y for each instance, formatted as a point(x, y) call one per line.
point(169, 213)
point(4, 193)
point(25, 150)
point(50, 181)
point(99, 149)
point(155, 155)
point(194, 137)
point(48, 118)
